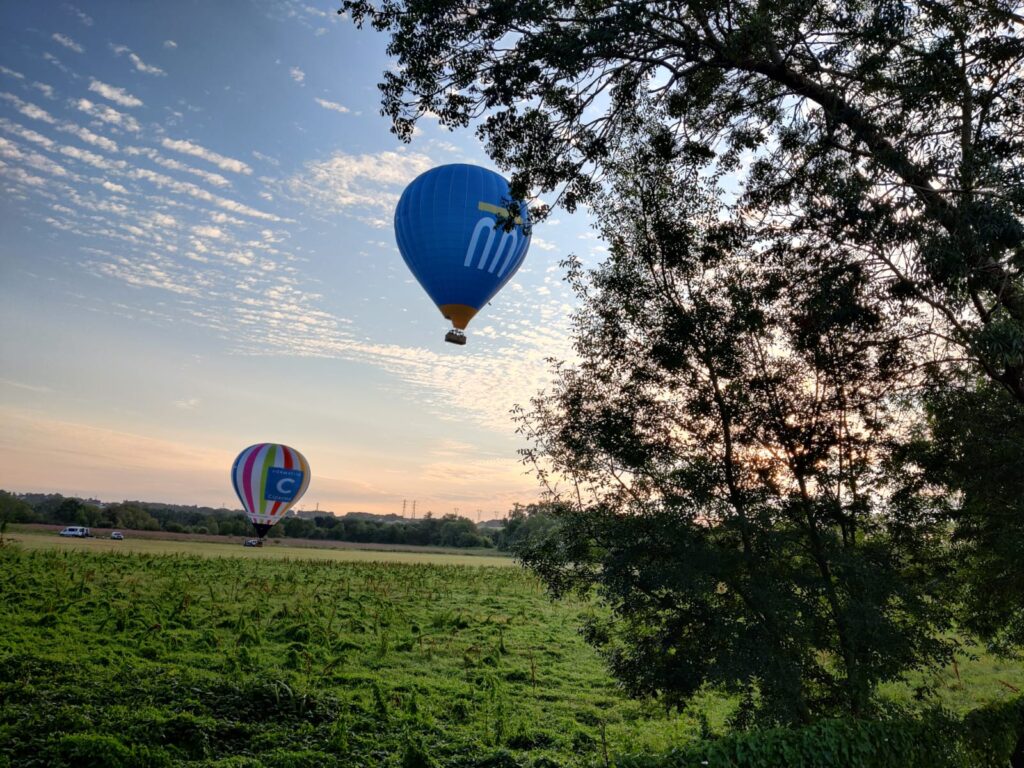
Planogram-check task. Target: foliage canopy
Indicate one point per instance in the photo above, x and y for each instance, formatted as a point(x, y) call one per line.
point(891, 130)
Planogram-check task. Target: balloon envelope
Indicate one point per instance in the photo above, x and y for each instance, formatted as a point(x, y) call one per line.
point(448, 231)
point(269, 479)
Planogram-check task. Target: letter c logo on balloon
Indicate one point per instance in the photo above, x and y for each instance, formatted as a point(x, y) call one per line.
point(282, 484)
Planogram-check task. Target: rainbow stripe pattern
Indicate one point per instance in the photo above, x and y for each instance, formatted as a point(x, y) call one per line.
point(269, 479)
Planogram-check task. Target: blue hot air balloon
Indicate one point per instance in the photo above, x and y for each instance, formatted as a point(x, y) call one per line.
point(450, 227)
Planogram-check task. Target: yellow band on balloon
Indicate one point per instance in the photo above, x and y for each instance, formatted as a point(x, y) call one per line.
point(497, 210)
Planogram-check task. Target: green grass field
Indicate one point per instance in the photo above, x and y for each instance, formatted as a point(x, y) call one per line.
point(140, 659)
point(287, 659)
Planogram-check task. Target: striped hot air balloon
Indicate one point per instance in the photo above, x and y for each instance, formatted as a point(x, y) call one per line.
point(450, 229)
point(269, 478)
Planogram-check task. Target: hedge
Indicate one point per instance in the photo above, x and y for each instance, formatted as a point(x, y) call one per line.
point(989, 737)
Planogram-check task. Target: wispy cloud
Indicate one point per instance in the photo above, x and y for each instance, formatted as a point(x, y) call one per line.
point(27, 134)
point(165, 162)
point(59, 64)
point(89, 137)
point(83, 17)
point(170, 44)
point(544, 245)
point(371, 183)
point(12, 73)
point(43, 88)
point(297, 75)
point(68, 43)
point(183, 187)
point(266, 158)
point(108, 115)
point(10, 151)
point(27, 109)
point(142, 66)
point(212, 232)
point(91, 158)
point(22, 385)
point(117, 95)
point(134, 58)
point(332, 105)
point(222, 162)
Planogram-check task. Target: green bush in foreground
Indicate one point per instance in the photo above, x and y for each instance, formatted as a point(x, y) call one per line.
point(985, 738)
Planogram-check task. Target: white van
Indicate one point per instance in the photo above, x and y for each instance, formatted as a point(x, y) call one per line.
point(74, 530)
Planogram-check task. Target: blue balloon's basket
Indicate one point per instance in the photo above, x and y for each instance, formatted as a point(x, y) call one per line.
point(455, 336)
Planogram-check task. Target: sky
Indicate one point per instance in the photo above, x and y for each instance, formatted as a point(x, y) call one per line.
point(197, 254)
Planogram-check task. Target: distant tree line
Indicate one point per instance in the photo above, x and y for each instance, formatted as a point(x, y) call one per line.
point(55, 509)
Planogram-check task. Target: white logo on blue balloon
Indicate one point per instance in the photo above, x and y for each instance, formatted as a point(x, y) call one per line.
point(511, 243)
point(282, 484)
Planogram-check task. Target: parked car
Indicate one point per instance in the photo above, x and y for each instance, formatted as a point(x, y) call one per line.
point(253, 543)
point(116, 535)
point(76, 531)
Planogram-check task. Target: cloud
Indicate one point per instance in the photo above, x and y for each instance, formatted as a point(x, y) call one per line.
point(59, 64)
point(46, 90)
point(457, 387)
point(186, 188)
point(26, 133)
point(21, 176)
point(544, 245)
point(368, 182)
point(91, 158)
point(165, 162)
point(266, 158)
point(331, 105)
point(117, 95)
point(89, 137)
point(170, 44)
point(140, 65)
point(297, 75)
point(212, 232)
point(21, 385)
point(82, 16)
point(222, 162)
point(28, 110)
point(187, 405)
point(12, 73)
point(109, 115)
point(68, 43)
point(34, 160)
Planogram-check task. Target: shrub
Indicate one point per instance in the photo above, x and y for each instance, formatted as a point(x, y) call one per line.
point(985, 738)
